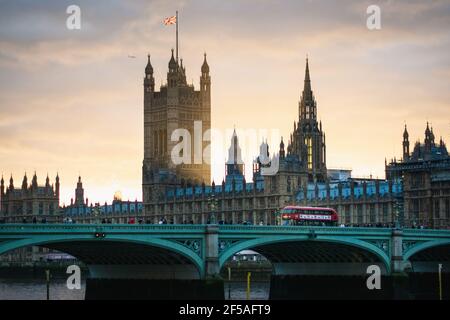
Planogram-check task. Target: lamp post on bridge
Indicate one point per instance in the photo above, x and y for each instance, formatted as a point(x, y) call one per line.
point(212, 201)
point(96, 213)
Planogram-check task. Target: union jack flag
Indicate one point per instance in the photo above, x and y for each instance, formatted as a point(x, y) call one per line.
point(170, 20)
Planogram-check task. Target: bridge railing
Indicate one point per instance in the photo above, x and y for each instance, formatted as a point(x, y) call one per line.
point(162, 228)
point(96, 227)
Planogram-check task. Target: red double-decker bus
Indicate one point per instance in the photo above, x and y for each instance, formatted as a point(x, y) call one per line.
point(309, 216)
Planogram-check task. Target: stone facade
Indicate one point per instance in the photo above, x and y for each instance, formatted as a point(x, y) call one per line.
point(175, 108)
point(357, 201)
point(425, 173)
point(118, 211)
point(301, 179)
point(234, 200)
point(27, 204)
point(308, 139)
point(30, 202)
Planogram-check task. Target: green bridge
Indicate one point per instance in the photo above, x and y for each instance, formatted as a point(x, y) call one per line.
point(198, 252)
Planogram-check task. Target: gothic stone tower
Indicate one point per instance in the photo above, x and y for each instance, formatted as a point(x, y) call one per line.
point(308, 139)
point(177, 105)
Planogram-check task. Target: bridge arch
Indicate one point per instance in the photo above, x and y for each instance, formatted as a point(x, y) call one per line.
point(55, 241)
point(424, 246)
point(253, 244)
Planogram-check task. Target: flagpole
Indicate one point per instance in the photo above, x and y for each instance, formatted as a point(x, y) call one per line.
point(177, 36)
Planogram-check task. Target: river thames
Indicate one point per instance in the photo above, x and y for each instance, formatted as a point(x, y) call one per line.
point(36, 289)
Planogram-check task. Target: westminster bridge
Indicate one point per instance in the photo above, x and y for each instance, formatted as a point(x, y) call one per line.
point(197, 253)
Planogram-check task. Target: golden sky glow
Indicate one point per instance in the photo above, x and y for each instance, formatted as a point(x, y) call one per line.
point(71, 101)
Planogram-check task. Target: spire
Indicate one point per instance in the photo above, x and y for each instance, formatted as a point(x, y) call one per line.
point(307, 86)
point(234, 152)
point(405, 133)
point(34, 181)
point(149, 67)
point(79, 193)
point(24, 181)
point(282, 152)
point(11, 182)
point(307, 104)
point(428, 138)
point(307, 78)
point(205, 66)
point(432, 135)
point(172, 63)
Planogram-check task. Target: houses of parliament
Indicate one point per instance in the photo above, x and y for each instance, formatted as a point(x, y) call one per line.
point(415, 192)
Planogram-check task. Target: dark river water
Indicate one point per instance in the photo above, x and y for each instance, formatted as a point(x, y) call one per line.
point(36, 289)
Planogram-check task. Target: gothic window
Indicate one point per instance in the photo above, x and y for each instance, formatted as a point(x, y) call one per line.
point(385, 212)
point(436, 209)
point(309, 148)
point(360, 213)
point(372, 213)
point(161, 142)
point(41, 208)
point(447, 209)
point(155, 143)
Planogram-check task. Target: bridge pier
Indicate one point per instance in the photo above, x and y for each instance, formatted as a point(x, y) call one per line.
point(212, 266)
point(397, 265)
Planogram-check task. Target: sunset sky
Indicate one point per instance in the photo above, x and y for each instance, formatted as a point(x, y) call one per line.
point(71, 101)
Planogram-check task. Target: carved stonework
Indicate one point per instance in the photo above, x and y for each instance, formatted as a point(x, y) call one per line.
point(193, 244)
point(406, 245)
point(382, 244)
point(226, 243)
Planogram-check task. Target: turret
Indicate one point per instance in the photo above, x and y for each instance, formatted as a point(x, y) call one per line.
point(205, 84)
point(34, 182)
point(79, 193)
point(149, 80)
point(2, 186)
point(57, 186)
point(405, 145)
point(234, 164)
point(172, 75)
point(427, 139)
point(432, 136)
point(11, 183)
point(282, 152)
point(24, 182)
